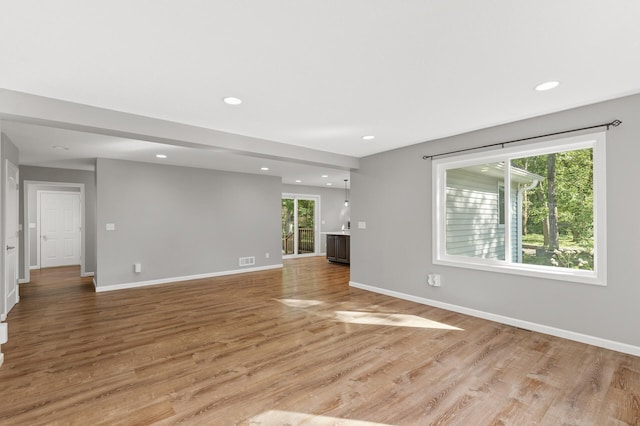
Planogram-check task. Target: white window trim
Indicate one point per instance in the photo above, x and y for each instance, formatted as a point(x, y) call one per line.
point(596, 141)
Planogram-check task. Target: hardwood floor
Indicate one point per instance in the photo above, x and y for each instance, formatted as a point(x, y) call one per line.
point(291, 346)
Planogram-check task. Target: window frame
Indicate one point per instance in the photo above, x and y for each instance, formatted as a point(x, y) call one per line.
point(595, 141)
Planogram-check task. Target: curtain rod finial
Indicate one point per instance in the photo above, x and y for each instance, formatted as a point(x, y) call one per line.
point(616, 123)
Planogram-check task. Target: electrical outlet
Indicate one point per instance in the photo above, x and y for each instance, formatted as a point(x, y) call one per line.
point(266, 255)
point(433, 280)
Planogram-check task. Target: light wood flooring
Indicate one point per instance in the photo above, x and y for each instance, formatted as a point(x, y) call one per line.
point(291, 346)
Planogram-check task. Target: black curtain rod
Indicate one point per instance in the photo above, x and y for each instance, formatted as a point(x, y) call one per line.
point(614, 123)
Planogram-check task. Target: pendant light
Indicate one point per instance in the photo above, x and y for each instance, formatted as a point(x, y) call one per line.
point(346, 196)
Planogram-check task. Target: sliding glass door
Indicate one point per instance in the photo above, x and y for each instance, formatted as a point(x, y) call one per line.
point(299, 227)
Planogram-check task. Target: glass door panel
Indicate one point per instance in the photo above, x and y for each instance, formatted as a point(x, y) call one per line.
point(288, 226)
point(299, 224)
point(306, 226)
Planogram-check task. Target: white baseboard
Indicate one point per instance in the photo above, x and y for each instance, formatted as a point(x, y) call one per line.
point(300, 256)
point(34, 267)
point(88, 274)
point(558, 332)
point(22, 281)
point(122, 286)
point(1, 359)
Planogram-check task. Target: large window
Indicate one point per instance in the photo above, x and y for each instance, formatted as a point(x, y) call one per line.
point(534, 210)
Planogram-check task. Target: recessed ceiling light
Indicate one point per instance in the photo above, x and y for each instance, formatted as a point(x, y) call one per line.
point(264, 169)
point(368, 137)
point(298, 181)
point(325, 176)
point(329, 184)
point(230, 100)
point(61, 148)
point(161, 156)
point(547, 86)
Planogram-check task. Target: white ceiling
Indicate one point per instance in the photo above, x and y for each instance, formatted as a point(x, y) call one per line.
point(61, 148)
point(316, 74)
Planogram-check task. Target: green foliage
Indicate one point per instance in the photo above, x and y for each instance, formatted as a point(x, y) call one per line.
point(574, 259)
point(574, 195)
point(566, 241)
point(287, 215)
point(568, 258)
point(306, 210)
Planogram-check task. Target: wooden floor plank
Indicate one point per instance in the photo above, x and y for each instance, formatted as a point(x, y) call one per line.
point(291, 346)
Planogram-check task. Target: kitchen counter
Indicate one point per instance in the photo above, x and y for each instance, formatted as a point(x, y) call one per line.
point(345, 232)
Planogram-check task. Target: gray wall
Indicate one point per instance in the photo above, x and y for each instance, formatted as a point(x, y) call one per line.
point(392, 192)
point(88, 178)
point(179, 221)
point(331, 207)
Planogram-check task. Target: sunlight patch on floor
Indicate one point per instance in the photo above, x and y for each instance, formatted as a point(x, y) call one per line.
point(279, 417)
point(398, 320)
point(300, 303)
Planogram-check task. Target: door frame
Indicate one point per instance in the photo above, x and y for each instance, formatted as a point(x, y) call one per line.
point(8, 166)
point(316, 223)
point(30, 187)
point(39, 193)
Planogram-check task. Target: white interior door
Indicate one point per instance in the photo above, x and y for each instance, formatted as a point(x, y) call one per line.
point(59, 228)
point(11, 239)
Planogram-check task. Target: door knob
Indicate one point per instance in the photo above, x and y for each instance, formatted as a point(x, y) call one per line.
point(10, 247)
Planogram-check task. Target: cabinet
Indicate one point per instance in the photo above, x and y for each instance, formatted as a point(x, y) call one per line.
point(338, 248)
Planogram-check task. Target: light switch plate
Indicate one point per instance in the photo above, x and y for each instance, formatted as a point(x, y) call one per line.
point(111, 226)
point(362, 225)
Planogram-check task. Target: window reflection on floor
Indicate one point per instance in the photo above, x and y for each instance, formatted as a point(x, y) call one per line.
point(300, 303)
point(279, 417)
point(367, 317)
point(398, 320)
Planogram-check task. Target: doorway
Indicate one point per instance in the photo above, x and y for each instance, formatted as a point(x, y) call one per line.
point(32, 235)
point(59, 228)
point(300, 230)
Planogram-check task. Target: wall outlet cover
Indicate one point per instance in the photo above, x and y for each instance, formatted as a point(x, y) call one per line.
point(433, 280)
